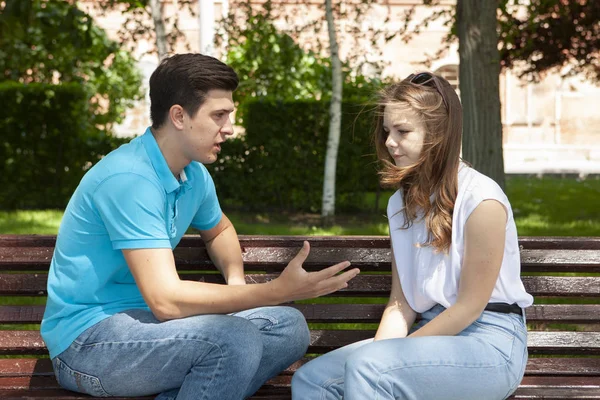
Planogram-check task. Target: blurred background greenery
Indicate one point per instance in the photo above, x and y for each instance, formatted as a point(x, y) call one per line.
point(548, 206)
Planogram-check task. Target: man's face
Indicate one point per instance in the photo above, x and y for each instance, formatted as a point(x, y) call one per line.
point(203, 134)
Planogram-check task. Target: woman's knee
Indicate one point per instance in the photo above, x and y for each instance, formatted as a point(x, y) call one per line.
point(312, 381)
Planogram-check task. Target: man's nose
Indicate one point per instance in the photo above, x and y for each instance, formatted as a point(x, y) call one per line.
point(227, 129)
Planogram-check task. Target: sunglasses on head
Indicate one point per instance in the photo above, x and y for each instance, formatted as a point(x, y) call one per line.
point(427, 79)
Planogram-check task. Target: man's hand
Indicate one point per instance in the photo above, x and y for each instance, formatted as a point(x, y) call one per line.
point(295, 283)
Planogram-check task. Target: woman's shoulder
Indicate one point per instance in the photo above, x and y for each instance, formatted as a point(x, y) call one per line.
point(474, 183)
point(395, 202)
point(475, 187)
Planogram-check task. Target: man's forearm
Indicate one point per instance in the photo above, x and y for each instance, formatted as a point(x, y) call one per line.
point(226, 253)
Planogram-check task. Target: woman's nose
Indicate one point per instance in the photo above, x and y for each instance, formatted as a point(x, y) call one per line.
point(389, 142)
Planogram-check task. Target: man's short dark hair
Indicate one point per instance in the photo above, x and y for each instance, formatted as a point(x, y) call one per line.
point(185, 79)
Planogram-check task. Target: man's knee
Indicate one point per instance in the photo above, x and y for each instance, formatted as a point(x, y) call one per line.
point(295, 329)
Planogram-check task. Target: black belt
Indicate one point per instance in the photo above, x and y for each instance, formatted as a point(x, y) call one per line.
point(504, 308)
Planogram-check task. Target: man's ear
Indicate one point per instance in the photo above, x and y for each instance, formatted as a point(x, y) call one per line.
point(177, 116)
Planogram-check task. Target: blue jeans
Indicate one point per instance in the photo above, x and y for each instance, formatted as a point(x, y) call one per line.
point(203, 357)
point(485, 361)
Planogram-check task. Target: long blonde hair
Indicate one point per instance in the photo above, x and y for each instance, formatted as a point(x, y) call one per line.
point(436, 171)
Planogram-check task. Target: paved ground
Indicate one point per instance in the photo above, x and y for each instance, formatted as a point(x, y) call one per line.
point(556, 159)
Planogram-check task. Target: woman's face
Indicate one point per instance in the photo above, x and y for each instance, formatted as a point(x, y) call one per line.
point(405, 133)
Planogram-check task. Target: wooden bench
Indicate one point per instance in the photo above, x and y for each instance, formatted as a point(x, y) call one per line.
point(564, 340)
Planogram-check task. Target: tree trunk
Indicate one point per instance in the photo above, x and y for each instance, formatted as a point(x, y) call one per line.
point(159, 27)
point(335, 119)
point(479, 72)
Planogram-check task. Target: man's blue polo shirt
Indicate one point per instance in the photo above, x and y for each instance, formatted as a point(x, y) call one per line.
point(128, 200)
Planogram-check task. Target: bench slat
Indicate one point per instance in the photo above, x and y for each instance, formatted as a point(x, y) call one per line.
point(532, 387)
point(588, 343)
point(355, 313)
point(275, 258)
point(558, 388)
point(28, 367)
point(362, 285)
point(526, 242)
point(562, 286)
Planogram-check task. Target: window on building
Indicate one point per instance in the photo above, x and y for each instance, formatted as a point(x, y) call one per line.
point(450, 73)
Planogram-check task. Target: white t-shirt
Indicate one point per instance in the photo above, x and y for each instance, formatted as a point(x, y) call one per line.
point(429, 278)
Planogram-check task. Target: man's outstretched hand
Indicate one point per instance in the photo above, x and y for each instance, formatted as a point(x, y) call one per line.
point(295, 283)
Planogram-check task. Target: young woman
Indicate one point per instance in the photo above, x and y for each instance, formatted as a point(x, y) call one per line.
point(455, 261)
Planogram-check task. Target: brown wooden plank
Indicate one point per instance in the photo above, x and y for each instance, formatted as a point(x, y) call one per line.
point(563, 366)
point(354, 313)
point(21, 342)
point(267, 393)
point(586, 343)
point(56, 394)
point(526, 242)
point(566, 366)
point(27, 241)
point(37, 378)
point(273, 253)
point(546, 392)
point(558, 388)
point(565, 313)
point(362, 285)
point(562, 286)
point(560, 258)
point(560, 242)
point(21, 314)
point(23, 284)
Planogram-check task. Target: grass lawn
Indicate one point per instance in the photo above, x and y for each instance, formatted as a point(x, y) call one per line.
point(542, 207)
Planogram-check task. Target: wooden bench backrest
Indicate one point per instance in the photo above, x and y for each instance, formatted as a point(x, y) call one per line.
point(565, 271)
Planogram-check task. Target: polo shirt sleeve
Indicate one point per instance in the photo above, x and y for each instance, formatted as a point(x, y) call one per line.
point(209, 213)
point(132, 209)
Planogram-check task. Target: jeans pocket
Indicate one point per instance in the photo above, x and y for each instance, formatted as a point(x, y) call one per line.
point(77, 381)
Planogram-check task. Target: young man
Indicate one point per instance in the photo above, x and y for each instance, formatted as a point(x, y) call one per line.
point(119, 321)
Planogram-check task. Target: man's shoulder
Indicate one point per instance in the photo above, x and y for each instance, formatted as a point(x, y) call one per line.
point(128, 159)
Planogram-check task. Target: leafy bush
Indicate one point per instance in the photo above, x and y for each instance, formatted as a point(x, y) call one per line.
point(48, 142)
point(278, 163)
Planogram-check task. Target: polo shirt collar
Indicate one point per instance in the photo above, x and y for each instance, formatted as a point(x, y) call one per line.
point(159, 163)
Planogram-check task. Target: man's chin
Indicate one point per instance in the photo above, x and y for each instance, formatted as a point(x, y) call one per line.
point(208, 160)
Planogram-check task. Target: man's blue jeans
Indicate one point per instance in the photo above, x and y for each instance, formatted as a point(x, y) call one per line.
point(203, 357)
point(486, 361)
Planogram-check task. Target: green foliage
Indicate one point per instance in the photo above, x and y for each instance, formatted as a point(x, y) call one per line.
point(535, 36)
point(550, 33)
point(278, 163)
point(48, 143)
point(269, 62)
point(50, 41)
point(137, 22)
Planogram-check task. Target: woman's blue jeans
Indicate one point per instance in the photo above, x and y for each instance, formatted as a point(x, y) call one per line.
point(486, 361)
point(205, 357)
